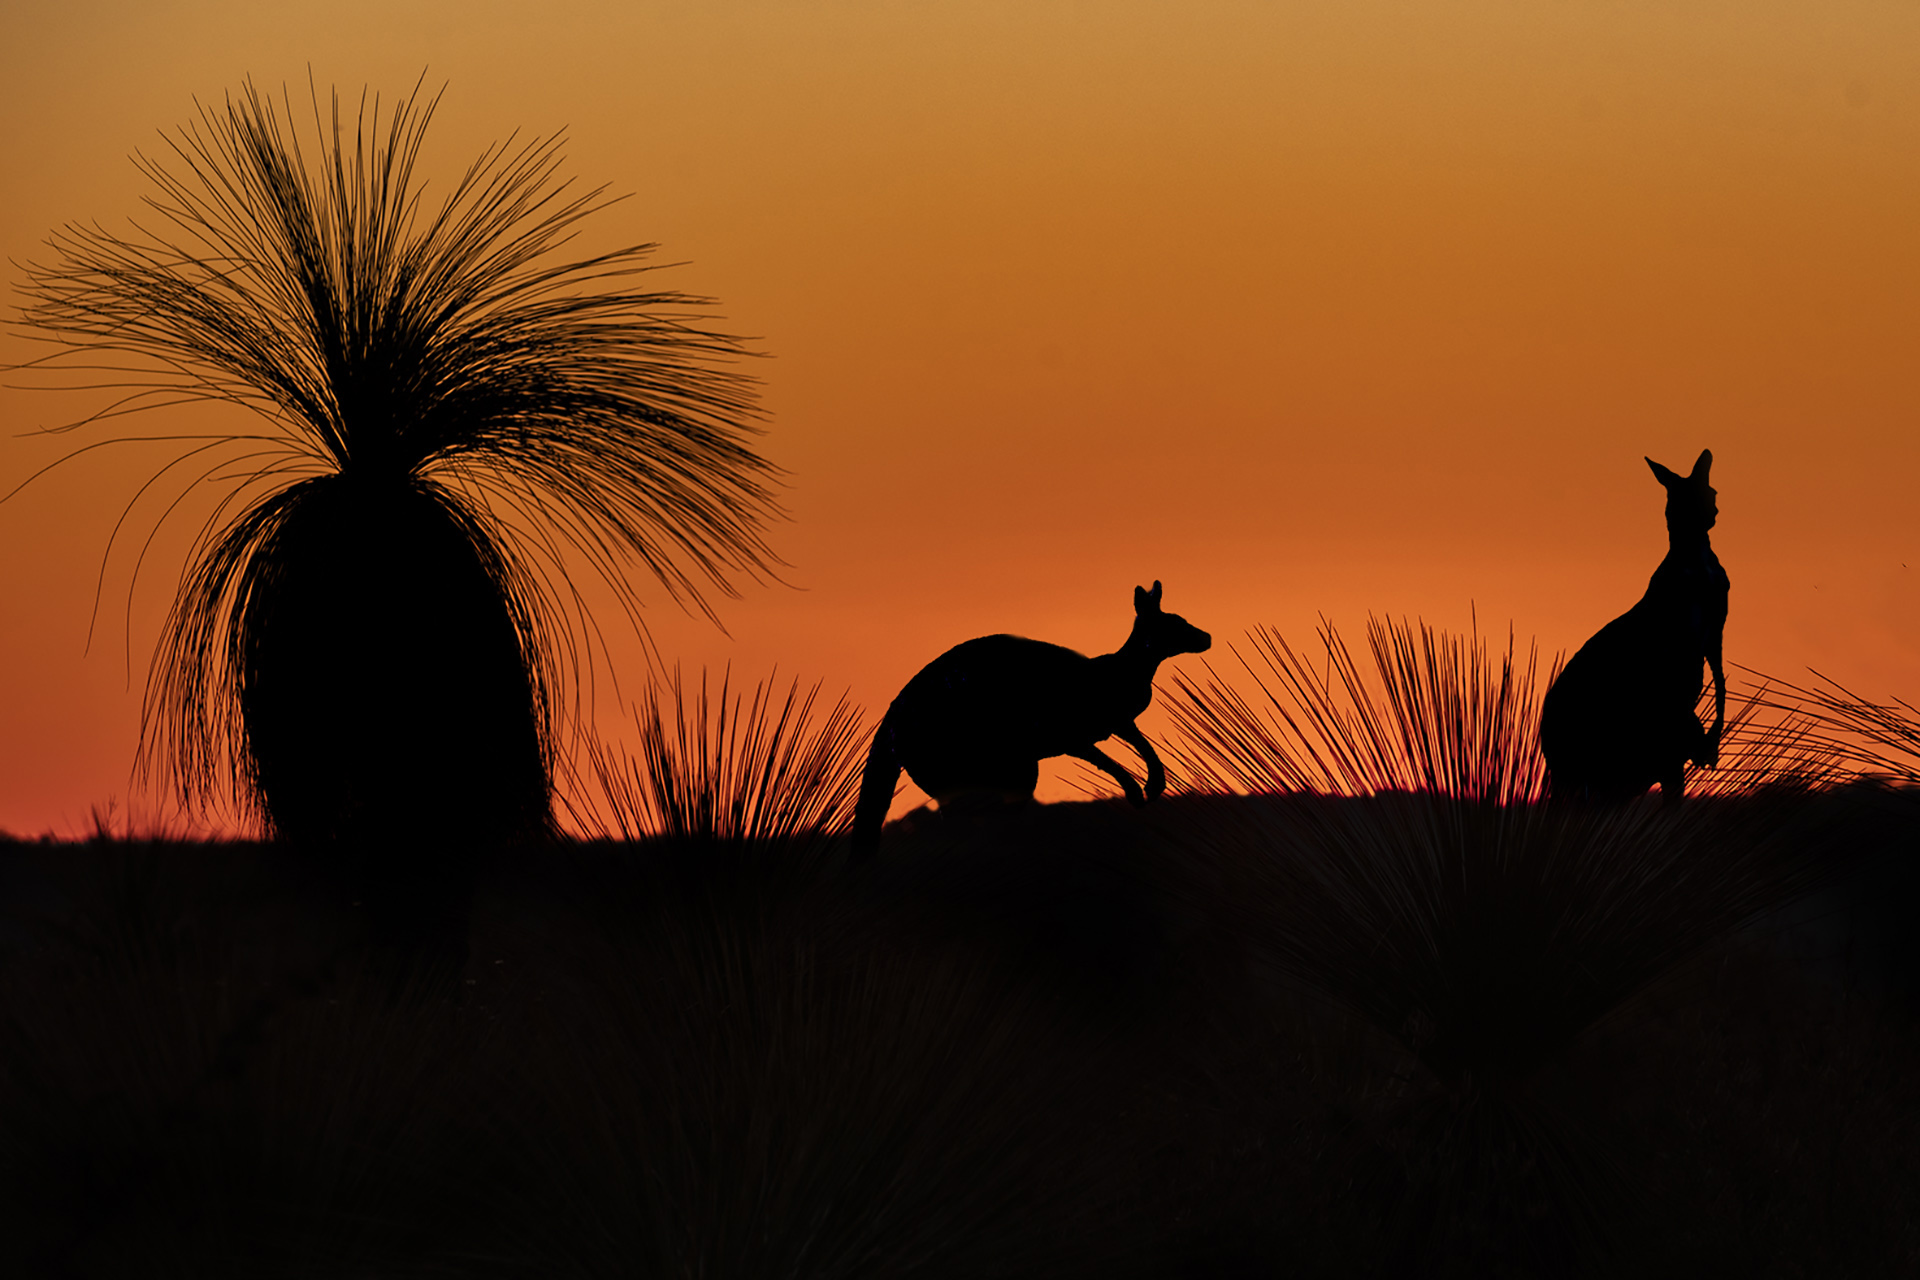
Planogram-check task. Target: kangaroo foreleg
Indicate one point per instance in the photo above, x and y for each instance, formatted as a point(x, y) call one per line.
point(1711, 754)
point(1156, 775)
point(1107, 764)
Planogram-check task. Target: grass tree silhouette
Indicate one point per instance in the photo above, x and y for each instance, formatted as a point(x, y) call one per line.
point(375, 637)
point(1621, 715)
point(982, 715)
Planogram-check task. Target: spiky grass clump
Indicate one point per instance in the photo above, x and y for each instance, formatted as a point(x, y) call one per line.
point(1401, 859)
point(378, 616)
point(1442, 721)
point(737, 769)
point(1435, 717)
point(1880, 740)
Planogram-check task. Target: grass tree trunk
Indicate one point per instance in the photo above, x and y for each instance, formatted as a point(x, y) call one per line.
point(391, 722)
point(383, 687)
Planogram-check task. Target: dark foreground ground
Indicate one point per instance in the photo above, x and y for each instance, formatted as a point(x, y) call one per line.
point(1042, 1042)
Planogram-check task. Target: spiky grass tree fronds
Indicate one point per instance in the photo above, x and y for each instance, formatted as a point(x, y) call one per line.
point(1397, 854)
point(737, 768)
point(1441, 720)
point(378, 627)
point(1770, 745)
point(1881, 740)
point(1436, 714)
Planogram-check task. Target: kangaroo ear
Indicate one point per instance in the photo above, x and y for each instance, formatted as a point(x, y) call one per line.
point(1701, 466)
point(1664, 476)
point(1145, 601)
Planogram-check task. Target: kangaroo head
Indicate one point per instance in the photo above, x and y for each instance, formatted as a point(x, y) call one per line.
point(1161, 635)
point(1691, 501)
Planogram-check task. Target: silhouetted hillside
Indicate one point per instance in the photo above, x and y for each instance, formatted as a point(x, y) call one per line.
point(1027, 1040)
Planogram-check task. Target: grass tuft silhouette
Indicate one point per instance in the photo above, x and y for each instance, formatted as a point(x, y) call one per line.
point(736, 769)
point(1878, 739)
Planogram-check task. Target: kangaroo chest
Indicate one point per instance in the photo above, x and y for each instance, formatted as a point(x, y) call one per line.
point(1687, 598)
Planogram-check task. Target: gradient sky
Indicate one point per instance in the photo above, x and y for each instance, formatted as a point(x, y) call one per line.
point(1302, 308)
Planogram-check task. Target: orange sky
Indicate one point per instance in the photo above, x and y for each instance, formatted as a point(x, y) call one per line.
point(1299, 307)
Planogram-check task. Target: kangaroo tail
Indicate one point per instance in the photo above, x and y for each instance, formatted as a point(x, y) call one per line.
point(876, 792)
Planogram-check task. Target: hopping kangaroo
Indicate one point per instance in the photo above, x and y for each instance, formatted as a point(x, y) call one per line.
point(982, 715)
point(1621, 716)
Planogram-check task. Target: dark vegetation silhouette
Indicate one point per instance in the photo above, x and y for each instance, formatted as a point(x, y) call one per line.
point(979, 718)
point(1395, 855)
point(1388, 1015)
point(375, 639)
point(1621, 716)
point(737, 774)
point(1879, 739)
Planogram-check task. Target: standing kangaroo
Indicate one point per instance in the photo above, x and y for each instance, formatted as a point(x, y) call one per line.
point(1621, 716)
point(982, 715)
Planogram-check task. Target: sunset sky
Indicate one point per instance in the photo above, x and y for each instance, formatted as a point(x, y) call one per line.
point(1300, 308)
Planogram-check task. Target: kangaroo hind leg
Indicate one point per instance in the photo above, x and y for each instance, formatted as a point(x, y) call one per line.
point(877, 786)
point(1107, 764)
